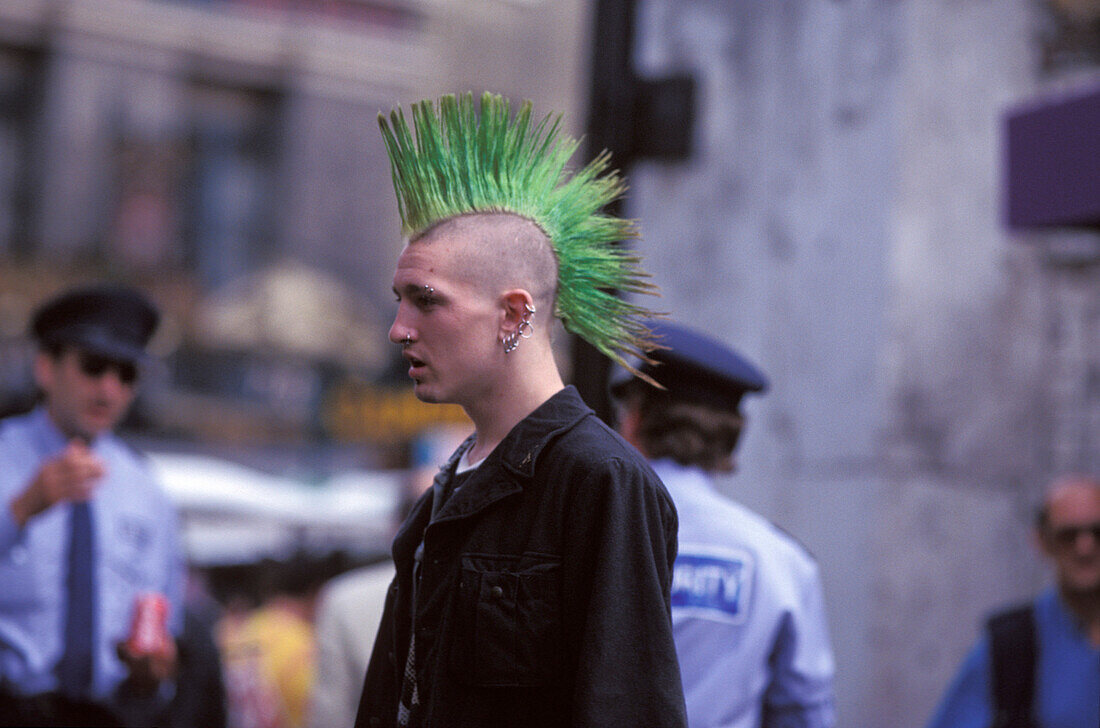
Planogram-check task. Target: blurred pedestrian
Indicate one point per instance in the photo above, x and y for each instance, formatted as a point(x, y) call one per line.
point(349, 610)
point(533, 576)
point(1039, 664)
point(84, 529)
point(268, 653)
point(199, 700)
point(748, 614)
point(348, 615)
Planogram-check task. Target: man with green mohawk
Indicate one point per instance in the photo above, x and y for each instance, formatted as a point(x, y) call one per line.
point(533, 578)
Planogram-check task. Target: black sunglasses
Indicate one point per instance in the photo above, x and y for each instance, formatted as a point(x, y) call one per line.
point(96, 365)
point(1067, 536)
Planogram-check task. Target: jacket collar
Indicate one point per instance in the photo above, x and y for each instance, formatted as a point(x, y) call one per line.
point(48, 438)
point(517, 456)
point(520, 449)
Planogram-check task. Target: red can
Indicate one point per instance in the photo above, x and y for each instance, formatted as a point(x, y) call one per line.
point(149, 627)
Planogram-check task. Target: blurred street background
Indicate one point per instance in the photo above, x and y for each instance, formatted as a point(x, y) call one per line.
point(892, 206)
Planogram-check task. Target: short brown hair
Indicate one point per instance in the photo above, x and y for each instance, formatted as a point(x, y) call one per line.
point(690, 431)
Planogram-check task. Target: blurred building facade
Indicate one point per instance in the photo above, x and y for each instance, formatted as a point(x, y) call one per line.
point(841, 220)
point(225, 156)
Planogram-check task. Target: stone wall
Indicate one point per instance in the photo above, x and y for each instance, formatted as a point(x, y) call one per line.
point(840, 222)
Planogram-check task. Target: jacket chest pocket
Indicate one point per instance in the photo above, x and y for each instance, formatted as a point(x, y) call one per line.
point(508, 621)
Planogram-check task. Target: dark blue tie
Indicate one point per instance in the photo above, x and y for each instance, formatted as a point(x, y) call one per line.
point(74, 671)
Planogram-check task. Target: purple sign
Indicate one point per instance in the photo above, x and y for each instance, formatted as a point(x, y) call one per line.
point(1053, 160)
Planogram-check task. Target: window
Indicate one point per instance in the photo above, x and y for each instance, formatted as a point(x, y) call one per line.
point(231, 159)
point(19, 94)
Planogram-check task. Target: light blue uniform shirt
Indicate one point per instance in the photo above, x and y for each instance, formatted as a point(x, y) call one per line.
point(137, 550)
point(1067, 693)
point(748, 615)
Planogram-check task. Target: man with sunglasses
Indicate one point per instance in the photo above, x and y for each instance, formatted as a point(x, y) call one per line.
point(84, 528)
point(1039, 665)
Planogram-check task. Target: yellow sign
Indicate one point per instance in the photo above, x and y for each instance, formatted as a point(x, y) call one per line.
point(357, 412)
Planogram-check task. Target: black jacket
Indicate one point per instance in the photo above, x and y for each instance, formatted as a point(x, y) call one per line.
point(544, 591)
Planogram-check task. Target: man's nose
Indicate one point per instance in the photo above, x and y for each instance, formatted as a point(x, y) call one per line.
point(112, 381)
point(1086, 540)
point(398, 331)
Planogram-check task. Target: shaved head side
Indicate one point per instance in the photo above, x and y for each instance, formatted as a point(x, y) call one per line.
point(1062, 487)
point(501, 251)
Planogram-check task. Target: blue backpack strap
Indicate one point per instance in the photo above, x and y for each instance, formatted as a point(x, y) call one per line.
point(1013, 653)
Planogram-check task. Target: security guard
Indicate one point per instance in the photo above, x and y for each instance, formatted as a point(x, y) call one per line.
point(84, 529)
point(747, 608)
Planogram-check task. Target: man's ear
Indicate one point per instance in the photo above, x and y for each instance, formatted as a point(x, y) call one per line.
point(515, 303)
point(629, 425)
point(1042, 542)
point(44, 370)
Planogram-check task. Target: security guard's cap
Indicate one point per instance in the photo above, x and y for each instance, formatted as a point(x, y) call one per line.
point(698, 367)
point(112, 321)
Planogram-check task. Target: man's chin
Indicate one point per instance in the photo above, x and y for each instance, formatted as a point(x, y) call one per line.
point(1082, 586)
point(93, 427)
point(425, 394)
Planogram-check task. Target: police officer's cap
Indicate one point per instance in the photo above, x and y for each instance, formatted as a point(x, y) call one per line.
point(112, 321)
point(698, 367)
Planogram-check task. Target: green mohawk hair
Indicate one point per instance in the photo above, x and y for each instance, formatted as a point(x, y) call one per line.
point(461, 163)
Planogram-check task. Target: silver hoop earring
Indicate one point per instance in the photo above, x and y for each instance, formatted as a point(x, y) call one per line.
point(524, 331)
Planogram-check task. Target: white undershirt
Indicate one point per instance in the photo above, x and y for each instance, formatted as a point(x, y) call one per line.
point(464, 464)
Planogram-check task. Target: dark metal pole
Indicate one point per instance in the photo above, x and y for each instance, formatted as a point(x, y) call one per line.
point(610, 106)
point(633, 118)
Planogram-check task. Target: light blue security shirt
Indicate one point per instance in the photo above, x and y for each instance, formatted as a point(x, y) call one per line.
point(137, 548)
point(1067, 693)
point(748, 615)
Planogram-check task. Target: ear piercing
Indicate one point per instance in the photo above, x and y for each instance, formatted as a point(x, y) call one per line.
point(523, 331)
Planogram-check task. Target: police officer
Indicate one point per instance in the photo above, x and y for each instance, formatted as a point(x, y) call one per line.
point(747, 609)
point(84, 529)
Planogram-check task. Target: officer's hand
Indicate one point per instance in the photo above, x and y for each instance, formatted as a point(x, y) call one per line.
point(71, 476)
point(149, 669)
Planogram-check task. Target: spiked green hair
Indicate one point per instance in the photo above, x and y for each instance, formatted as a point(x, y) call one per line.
point(460, 164)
